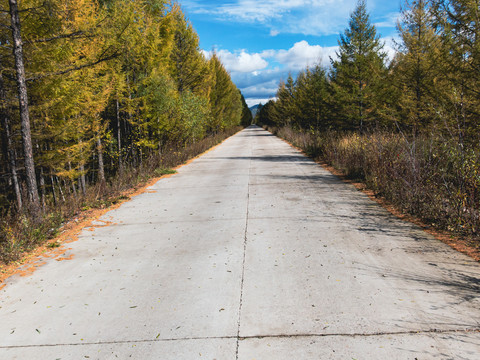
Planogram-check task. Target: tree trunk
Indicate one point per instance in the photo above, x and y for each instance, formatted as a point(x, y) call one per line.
point(16, 183)
point(74, 189)
point(119, 137)
point(82, 181)
point(60, 189)
point(53, 190)
point(8, 143)
point(42, 188)
point(101, 166)
point(32, 188)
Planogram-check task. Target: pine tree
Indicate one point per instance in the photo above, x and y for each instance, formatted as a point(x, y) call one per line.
point(285, 108)
point(417, 67)
point(312, 98)
point(357, 74)
point(265, 115)
point(459, 22)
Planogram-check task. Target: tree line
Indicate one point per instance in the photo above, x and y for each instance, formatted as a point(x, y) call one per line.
point(431, 84)
point(90, 88)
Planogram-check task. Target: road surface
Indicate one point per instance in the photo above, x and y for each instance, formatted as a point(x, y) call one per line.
point(251, 251)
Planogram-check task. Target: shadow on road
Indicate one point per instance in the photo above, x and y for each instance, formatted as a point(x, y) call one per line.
point(462, 285)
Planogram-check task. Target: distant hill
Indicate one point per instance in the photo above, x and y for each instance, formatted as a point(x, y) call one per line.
point(255, 108)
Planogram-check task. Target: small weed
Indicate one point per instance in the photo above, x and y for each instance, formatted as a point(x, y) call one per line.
point(161, 172)
point(119, 199)
point(53, 245)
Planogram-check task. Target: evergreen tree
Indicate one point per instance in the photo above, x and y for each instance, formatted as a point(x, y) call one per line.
point(246, 114)
point(225, 100)
point(285, 108)
point(358, 72)
point(265, 116)
point(312, 98)
point(459, 23)
point(417, 67)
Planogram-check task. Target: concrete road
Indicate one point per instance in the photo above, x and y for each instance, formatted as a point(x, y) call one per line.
point(252, 251)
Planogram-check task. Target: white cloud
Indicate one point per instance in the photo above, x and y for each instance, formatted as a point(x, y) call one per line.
point(388, 21)
point(257, 74)
point(262, 86)
point(254, 101)
point(266, 78)
point(309, 17)
point(251, 11)
point(240, 61)
point(390, 46)
point(302, 54)
point(268, 53)
point(260, 91)
point(298, 57)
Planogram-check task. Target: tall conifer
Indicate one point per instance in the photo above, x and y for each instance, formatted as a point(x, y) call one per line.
point(357, 74)
point(417, 67)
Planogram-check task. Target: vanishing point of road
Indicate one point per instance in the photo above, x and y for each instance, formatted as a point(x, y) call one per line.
point(251, 251)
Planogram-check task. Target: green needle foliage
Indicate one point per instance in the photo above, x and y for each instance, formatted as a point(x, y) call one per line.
point(358, 73)
point(417, 69)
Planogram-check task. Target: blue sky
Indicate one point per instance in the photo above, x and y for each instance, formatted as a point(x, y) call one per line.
point(261, 42)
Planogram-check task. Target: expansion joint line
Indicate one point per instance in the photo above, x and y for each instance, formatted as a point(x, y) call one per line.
point(244, 254)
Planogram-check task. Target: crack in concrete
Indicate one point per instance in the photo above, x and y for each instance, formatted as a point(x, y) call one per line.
point(373, 334)
point(113, 342)
point(244, 255)
point(257, 337)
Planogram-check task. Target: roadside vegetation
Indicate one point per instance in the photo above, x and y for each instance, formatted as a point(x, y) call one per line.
point(97, 96)
point(409, 128)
